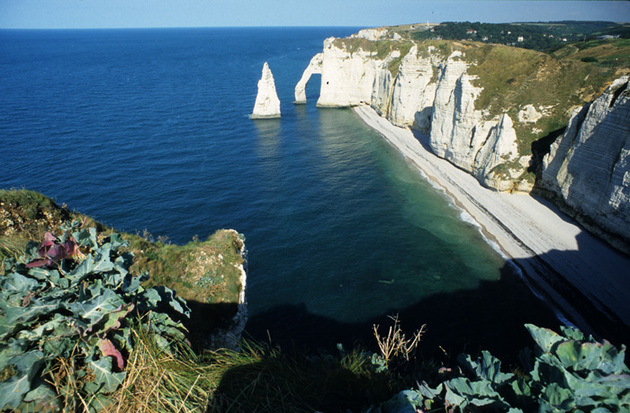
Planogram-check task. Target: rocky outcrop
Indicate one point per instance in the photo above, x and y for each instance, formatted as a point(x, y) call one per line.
point(414, 91)
point(228, 335)
point(500, 149)
point(267, 103)
point(348, 76)
point(372, 34)
point(210, 275)
point(588, 167)
point(314, 67)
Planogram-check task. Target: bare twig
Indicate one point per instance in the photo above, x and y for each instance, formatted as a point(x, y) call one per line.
point(396, 344)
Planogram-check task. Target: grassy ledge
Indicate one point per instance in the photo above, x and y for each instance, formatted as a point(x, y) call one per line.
point(206, 272)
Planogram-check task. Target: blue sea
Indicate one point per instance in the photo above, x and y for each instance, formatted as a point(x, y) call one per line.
point(148, 129)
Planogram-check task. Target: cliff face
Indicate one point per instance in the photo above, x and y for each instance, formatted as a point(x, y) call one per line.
point(414, 91)
point(429, 91)
point(348, 75)
point(484, 105)
point(588, 167)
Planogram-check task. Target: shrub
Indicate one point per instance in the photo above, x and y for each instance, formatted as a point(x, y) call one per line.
point(567, 373)
point(67, 309)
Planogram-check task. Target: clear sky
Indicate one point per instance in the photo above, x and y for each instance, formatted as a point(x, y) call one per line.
point(358, 13)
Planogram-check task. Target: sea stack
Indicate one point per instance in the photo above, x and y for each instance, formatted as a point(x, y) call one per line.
point(267, 103)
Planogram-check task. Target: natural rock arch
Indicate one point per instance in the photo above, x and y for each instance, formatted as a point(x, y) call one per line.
point(314, 67)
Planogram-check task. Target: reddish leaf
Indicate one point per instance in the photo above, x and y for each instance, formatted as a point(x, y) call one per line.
point(55, 252)
point(39, 263)
point(47, 243)
point(49, 239)
point(69, 248)
point(108, 349)
point(51, 251)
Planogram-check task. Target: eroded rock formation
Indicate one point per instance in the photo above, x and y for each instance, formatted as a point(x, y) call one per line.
point(347, 76)
point(267, 103)
point(314, 67)
point(431, 92)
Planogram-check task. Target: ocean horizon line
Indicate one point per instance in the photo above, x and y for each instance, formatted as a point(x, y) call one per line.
point(180, 28)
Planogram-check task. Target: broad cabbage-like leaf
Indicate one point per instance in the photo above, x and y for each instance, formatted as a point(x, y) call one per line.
point(544, 337)
point(477, 393)
point(80, 308)
point(18, 283)
point(20, 316)
point(486, 367)
point(92, 311)
point(13, 390)
point(105, 380)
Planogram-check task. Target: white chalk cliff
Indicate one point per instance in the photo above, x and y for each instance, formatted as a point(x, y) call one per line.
point(434, 90)
point(414, 91)
point(347, 77)
point(267, 103)
point(430, 92)
point(314, 67)
point(588, 167)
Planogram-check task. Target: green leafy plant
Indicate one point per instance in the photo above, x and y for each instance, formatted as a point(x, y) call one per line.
point(67, 308)
point(575, 373)
point(567, 373)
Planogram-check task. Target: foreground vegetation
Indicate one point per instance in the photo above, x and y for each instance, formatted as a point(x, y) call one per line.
point(192, 269)
point(81, 330)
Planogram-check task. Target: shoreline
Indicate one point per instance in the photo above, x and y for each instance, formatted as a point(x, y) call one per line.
point(560, 262)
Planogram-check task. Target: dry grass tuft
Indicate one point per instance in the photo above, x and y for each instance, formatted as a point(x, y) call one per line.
point(160, 381)
point(395, 345)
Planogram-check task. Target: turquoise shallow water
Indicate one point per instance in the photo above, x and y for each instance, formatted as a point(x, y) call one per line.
point(148, 129)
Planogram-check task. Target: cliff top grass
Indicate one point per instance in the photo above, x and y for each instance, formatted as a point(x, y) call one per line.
point(513, 78)
point(607, 53)
point(541, 36)
point(205, 272)
point(380, 49)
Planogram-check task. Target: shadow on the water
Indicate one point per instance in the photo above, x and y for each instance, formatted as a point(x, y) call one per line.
point(490, 317)
point(461, 321)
